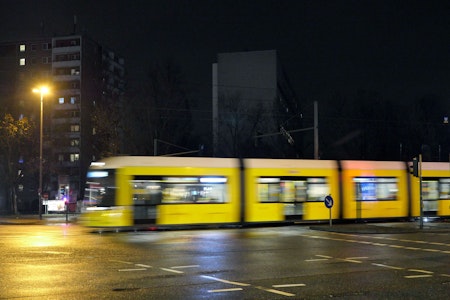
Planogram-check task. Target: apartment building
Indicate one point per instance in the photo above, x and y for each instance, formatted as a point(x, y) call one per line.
point(81, 73)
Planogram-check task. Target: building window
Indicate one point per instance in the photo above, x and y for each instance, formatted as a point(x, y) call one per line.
point(22, 48)
point(61, 100)
point(46, 46)
point(61, 158)
point(74, 142)
point(74, 128)
point(73, 99)
point(74, 157)
point(46, 60)
point(33, 47)
point(22, 61)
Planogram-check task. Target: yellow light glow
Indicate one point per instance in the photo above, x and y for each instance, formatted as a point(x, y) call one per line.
point(41, 90)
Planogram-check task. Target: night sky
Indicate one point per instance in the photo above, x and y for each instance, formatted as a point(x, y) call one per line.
point(399, 49)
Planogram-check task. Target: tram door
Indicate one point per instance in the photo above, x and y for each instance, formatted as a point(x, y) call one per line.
point(293, 195)
point(298, 193)
point(146, 195)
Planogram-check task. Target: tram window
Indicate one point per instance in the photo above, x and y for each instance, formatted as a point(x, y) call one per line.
point(268, 189)
point(444, 188)
point(292, 189)
point(100, 188)
point(430, 190)
point(176, 190)
point(374, 189)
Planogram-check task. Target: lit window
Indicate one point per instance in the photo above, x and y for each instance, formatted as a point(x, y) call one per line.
point(61, 157)
point(74, 128)
point(22, 62)
point(73, 100)
point(74, 157)
point(22, 48)
point(61, 100)
point(75, 142)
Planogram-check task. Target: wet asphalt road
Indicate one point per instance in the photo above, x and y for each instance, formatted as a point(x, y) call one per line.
point(66, 261)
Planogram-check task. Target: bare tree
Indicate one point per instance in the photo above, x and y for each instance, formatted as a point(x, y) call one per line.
point(160, 110)
point(238, 125)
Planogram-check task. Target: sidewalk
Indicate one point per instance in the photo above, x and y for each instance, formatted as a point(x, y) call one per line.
point(440, 226)
point(34, 219)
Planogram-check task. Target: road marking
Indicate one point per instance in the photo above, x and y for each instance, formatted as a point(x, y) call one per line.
point(173, 271)
point(183, 267)
point(445, 275)
point(316, 259)
point(225, 290)
point(144, 266)
point(431, 250)
point(379, 244)
point(387, 266)
point(324, 256)
point(121, 261)
point(50, 252)
point(226, 281)
point(288, 285)
point(350, 260)
point(420, 271)
point(418, 276)
point(132, 270)
point(275, 291)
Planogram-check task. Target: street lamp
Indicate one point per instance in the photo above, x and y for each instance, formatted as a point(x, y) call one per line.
point(43, 90)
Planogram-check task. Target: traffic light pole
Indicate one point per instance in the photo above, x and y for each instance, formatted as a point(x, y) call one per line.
point(420, 189)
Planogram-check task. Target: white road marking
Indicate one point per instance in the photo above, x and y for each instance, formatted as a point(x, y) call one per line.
point(183, 267)
point(420, 271)
point(275, 291)
point(418, 276)
point(379, 244)
point(288, 285)
point(225, 290)
point(350, 260)
point(173, 271)
point(144, 266)
point(324, 256)
point(387, 266)
point(226, 281)
point(132, 270)
point(316, 259)
point(121, 261)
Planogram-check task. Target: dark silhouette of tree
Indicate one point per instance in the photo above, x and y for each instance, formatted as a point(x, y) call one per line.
point(239, 123)
point(15, 135)
point(108, 125)
point(158, 109)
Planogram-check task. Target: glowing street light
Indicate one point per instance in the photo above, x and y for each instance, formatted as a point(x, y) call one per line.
point(43, 90)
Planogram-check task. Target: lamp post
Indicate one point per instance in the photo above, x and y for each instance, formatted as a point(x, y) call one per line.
point(42, 91)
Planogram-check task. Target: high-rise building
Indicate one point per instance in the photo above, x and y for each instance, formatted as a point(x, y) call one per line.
point(252, 99)
point(81, 74)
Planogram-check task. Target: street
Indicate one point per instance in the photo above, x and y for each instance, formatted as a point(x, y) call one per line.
point(67, 261)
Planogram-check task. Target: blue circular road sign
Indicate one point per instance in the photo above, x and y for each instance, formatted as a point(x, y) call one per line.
point(329, 201)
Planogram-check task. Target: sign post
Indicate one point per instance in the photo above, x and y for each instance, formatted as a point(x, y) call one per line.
point(329, 204)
